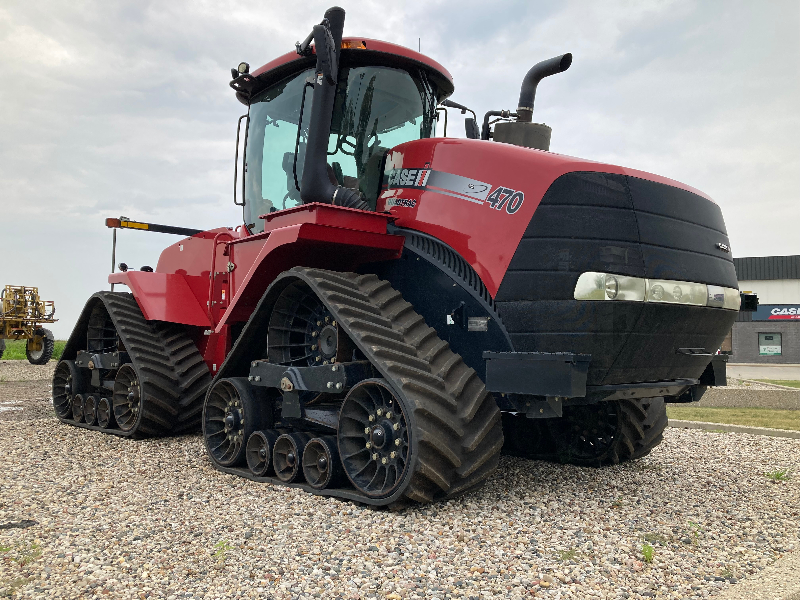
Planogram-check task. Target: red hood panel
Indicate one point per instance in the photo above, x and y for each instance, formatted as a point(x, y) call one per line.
point(478, 196)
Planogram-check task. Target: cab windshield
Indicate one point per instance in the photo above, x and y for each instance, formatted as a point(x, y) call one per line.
point(376, 109)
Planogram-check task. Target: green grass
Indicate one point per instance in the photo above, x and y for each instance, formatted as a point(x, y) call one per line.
point(779, 475)
point(566, 555)
point(786, 382)
point(15, 350)
point(752, 417)
point(648, 552)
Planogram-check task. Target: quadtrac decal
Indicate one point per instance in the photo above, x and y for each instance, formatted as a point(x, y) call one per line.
point(452, 185)
point(405, 202)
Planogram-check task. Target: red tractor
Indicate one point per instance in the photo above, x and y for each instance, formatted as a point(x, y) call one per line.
point(397, 309)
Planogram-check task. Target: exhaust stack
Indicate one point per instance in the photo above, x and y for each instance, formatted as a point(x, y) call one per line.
point(539, 71)
point(523, 132)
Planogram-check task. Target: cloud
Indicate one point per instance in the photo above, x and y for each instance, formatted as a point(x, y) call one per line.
point(124, 108)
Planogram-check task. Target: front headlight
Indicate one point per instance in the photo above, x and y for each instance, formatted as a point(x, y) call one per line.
point(607, 286)
point(604, 286)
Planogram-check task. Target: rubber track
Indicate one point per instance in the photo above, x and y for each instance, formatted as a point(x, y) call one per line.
point(457, 429)
point(641, 428)
point(171, 372)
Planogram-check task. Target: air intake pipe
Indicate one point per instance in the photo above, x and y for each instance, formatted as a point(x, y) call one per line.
point(316, 185)
point(539, 71)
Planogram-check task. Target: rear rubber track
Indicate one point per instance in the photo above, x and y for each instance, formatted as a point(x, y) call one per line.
point(172, 374)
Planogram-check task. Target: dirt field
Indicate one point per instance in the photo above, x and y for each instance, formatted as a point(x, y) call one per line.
point(86, 515)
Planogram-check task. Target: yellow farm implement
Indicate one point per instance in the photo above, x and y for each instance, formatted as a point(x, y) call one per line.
point(23, 313)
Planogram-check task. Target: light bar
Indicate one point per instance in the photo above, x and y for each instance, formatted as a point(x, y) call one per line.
point(607, 286)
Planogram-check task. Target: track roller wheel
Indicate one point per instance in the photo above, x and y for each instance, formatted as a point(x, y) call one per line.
point(78, 404)
point(67, 381)
point(127, 398)
point(374, 438)
point(90, 410)
point(233, 410)
point(105, 413)
point(259, 451)
point(287, 456)
point(321, 465)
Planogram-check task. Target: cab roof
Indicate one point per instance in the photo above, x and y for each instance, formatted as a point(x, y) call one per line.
point(357, 50)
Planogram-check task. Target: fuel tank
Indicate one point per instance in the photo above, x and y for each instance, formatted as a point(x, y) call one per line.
point(537, 226)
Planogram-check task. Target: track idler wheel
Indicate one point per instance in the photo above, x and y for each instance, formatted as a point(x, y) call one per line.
point(105, 413)
point(90, 410)
point(259, 451)
point(127, 398)
point(67, 381)
point(233, 410)
point(78, 404)
point(374, 438)
point(287, 456)
point(322, 467)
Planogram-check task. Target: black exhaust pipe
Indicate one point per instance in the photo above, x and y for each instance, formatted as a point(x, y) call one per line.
point(539, 71)
point(316, 185)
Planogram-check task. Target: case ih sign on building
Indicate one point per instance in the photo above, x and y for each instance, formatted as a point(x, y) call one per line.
point(770, 334)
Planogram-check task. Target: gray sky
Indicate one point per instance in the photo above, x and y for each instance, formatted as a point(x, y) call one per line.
point(123, 108)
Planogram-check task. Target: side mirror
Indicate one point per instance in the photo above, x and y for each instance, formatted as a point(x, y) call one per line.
point(471, 126)
point(326, 53)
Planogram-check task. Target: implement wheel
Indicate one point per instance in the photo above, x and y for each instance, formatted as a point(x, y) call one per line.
point(39, 348)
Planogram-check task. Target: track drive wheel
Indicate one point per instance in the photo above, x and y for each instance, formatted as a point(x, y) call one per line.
point(374, 438)
point(609, 432)
point(39, 348)
point(233, 410)
point(259, 451)
point(67, 381)
point(105, 413)
point(287, 456)
point(321, 465)
point(303, 332)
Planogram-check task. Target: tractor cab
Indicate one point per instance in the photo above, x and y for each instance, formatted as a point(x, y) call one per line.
point(384, 95)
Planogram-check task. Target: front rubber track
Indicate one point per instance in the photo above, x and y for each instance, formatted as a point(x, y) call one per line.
point(640, 428)
point(456, 429)
point(171, 371)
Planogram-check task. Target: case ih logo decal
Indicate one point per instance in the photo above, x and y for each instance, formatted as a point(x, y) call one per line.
point(453, 185)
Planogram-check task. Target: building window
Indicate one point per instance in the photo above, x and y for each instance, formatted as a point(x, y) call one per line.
point(769, 344)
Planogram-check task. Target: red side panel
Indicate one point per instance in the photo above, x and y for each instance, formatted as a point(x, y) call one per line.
point(478, 196)
point(163, 297)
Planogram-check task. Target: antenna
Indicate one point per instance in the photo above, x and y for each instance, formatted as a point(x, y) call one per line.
point(419, 45)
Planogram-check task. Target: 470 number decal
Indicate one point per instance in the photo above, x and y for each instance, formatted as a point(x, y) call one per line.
point(503, 197)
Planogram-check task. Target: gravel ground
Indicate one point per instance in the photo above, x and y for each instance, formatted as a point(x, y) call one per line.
point(85, 515)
